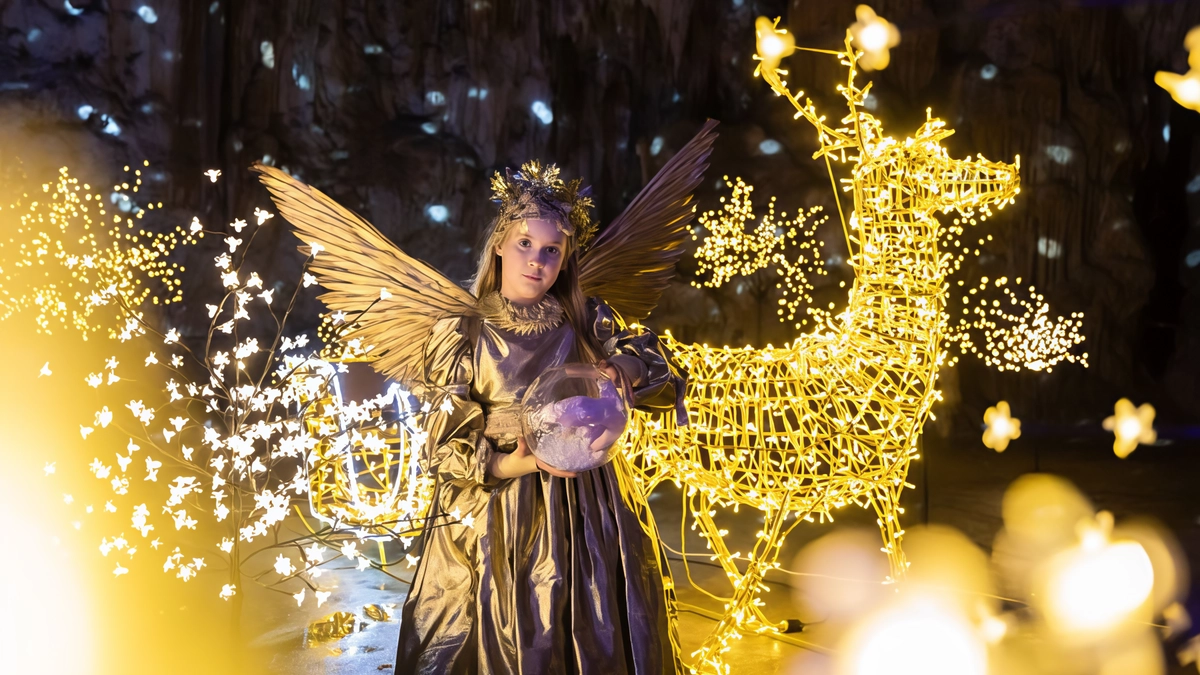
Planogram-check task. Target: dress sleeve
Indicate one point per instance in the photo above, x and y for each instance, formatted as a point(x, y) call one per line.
point(662, 384)
point(455, 449)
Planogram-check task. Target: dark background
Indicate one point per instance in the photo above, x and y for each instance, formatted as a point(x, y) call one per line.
point(392, 107)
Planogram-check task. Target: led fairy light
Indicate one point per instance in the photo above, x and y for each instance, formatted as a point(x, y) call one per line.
point(832, 419)
point(91, 256)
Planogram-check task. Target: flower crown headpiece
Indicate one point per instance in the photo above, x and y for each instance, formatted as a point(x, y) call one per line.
point(537, 191)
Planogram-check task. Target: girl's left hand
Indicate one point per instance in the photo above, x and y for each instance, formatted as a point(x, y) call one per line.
point(618, 376)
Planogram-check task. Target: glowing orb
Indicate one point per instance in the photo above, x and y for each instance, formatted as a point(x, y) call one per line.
point(917, 638)
point(1096, 587)
point(572, 417)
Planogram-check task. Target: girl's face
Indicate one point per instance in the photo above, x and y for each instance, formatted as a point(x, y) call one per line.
point(532, 254)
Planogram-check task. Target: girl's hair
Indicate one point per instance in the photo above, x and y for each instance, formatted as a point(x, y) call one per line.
point(565, 288)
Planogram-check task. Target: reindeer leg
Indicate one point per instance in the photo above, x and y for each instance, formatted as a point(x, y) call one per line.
point(884, 500)
point(744, 611)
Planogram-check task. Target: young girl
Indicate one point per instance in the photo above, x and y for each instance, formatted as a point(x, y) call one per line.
point(524, 568)
point(549, 571)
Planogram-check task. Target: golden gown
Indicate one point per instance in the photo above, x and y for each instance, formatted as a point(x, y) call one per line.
point(539, 574)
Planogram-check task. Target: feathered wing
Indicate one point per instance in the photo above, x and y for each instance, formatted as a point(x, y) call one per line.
point(633, 260)
point(355, 263)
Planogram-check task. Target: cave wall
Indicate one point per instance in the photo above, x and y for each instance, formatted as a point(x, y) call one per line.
point(392, 107)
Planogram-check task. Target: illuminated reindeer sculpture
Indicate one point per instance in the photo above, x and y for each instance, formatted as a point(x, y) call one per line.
point(834, 418)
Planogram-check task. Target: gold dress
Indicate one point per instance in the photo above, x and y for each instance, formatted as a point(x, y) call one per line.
point(540, 574)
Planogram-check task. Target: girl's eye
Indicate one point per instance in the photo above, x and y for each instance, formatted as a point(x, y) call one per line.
point(553, 250)
point(524, 242)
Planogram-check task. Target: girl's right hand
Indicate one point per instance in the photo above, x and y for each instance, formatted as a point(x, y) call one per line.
point(524, 451)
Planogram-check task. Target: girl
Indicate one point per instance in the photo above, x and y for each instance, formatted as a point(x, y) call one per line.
point(548, 571)
point(524, 568)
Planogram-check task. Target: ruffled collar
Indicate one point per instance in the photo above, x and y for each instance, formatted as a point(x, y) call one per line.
point(533, 319)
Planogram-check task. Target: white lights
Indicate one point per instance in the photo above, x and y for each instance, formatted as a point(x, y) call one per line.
point(542, 112)
point(268, 53)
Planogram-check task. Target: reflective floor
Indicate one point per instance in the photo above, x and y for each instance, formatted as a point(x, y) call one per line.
point(961, 485)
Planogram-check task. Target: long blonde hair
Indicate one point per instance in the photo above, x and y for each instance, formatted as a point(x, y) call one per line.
point(488, 275)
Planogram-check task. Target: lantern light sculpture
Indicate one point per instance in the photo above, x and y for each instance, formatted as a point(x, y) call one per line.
point(832, 419)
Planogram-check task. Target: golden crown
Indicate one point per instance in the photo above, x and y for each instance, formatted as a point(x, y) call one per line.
point(536, 191)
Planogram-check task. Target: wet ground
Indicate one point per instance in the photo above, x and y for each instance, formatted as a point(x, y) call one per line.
point(960, 484)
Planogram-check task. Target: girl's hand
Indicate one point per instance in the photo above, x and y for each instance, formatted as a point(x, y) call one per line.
point(619, 377)
point(523, 451)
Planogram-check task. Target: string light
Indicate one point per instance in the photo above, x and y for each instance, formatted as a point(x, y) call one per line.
point(71, 259)
point(730, 250)
point(248, 430)
point(832, 419)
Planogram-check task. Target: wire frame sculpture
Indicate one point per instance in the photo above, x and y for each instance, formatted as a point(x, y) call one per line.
point(365, 470)
point(833, 419)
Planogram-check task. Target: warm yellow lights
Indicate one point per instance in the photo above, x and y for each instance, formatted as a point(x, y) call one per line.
point(109, 264)
point(922, 637)
point(832, 419)
point(1094, 587)
point(226, 427)
point(1002, 427)
point(1131, 426)
point(1185, 89)
point(875, 36)
point(773, 43)
point(1062, 590)
point(729, 250)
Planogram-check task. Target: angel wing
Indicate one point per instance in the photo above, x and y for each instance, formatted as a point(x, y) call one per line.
point(631, 262)
point(362, 270)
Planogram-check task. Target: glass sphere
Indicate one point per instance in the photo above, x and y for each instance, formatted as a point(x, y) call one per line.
point(572, 416)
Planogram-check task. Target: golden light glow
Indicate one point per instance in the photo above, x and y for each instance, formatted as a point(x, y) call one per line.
point(1185, 89)
point(1130, 426)
point(234, 433)
point(369, 479)
point(730, 250)
point(921, 637)
point(1090, 606)
point(1017, 334)
point(833, 418)
point(875, 36)
point(1094, 587)
point(1002, 427)
point(773, 43)
point(112, 262)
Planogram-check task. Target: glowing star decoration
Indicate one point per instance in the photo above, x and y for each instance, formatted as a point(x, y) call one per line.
point(1002, 427)
point(1131, 426)
point(213, 174)
point(875, 36)
point(833, 418)
point(45, 371)
point(228, 591)
point(773, 43)
point(1185, 89)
